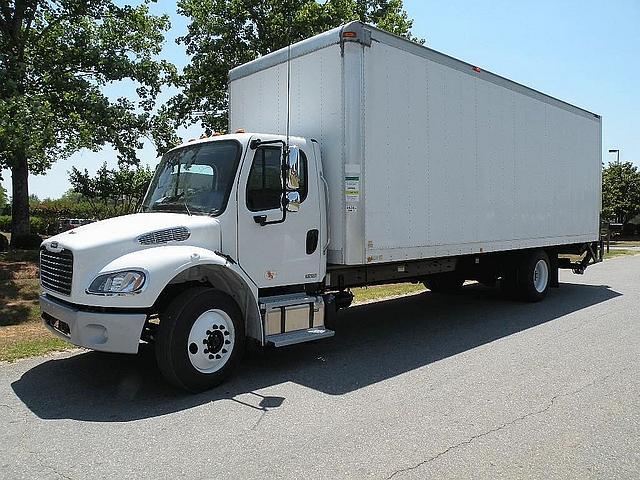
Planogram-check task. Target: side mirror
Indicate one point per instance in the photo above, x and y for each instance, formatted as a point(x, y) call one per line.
point(293, 164)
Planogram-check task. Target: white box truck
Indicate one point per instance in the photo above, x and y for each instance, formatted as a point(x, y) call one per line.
point(403, 164)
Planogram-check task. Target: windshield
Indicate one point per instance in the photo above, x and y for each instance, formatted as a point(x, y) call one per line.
point(194, 179)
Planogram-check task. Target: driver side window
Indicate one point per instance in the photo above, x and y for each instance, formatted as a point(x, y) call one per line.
point(264, 186)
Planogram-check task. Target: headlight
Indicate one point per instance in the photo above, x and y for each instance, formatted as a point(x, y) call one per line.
point(130, 281)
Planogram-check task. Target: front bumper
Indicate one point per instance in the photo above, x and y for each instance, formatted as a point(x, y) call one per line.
point(107, 332)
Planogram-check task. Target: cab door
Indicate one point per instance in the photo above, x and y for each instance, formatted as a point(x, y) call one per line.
point(286, 253)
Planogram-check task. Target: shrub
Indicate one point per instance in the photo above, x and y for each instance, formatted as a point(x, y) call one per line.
point(39, 225)
point(629, 229)
point(5, 223)
point(31, 241)
point(4, 243)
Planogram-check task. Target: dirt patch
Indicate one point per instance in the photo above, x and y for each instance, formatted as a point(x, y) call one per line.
point(18, 270)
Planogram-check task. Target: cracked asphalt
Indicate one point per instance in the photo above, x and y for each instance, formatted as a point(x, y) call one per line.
point(427, 386)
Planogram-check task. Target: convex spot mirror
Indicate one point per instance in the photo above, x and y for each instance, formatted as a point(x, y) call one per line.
point(293, 201)
point(293, 170)
point(292, 194)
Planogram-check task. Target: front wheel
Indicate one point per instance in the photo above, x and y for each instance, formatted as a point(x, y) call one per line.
point(200, 339)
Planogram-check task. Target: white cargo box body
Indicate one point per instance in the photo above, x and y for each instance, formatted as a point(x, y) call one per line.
point(425, 155)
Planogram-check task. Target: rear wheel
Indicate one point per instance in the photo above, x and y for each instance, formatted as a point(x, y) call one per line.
point(200, 339)
point(533, 276)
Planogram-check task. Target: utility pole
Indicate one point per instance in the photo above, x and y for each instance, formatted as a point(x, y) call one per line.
point(617, 152)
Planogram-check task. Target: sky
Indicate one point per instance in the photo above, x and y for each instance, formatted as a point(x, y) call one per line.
point(585, 52)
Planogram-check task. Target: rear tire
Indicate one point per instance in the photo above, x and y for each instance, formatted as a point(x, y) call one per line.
point(200, 339)
point(534, 273)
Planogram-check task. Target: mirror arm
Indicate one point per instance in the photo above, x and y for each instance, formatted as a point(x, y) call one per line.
point(285, 167)
point(262, 219)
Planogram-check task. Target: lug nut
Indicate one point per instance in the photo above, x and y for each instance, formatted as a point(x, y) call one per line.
point(210, 357)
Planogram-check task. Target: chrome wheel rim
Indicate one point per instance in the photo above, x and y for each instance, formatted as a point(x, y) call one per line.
point(211, 341)
point(540, 276)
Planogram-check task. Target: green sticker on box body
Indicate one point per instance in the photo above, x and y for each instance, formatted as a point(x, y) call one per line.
point(352, 188)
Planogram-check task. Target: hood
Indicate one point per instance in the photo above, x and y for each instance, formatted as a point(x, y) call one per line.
point(121, 232)
point(97, 248)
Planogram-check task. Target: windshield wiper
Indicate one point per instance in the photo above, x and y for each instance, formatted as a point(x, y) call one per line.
point(184, 202)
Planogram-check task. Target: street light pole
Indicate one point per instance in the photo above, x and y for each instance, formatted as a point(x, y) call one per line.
point(617, 152)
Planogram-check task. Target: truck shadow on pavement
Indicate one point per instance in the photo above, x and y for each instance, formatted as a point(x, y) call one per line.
point(374, 342)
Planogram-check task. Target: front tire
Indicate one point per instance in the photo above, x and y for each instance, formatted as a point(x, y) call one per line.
point(200, 339)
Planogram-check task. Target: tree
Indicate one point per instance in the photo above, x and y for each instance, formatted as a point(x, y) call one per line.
point(3, 197)
point(226, 33)
point(112, 192)
point(620, 192)
point(55, 58)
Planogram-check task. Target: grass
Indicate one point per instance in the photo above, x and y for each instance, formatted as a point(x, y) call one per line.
point(625, 243)
point(21, 334)
point(379, 292)
point(619, 253)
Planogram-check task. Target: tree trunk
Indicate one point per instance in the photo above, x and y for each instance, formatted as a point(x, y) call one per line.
point(19, 197)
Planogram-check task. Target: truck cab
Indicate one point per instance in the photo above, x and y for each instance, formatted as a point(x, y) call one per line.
point(231, 240)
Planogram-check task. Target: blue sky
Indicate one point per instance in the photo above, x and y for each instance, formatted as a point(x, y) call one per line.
point(584, 52)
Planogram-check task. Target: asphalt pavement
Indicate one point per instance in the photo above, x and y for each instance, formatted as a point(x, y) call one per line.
point(426, 386)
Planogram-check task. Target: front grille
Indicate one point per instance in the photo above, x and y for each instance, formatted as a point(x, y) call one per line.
point(56, 270)
point(177, 234)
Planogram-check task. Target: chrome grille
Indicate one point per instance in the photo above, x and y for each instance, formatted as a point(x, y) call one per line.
point(56, 270)
point(177, 234)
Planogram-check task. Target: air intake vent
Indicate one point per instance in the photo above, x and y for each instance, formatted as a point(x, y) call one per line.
point(177, 234)
point(56, 270)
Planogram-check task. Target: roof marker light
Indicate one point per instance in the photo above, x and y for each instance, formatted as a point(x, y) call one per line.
point(476, 69)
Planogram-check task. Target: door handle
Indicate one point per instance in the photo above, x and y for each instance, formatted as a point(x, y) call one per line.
point(312, 240)
point(260, 219)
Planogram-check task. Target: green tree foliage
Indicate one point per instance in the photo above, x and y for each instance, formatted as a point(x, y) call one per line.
point(112, 192)
point(226, 33)
point(3, 197)
point(56, 57)
point(620, 192)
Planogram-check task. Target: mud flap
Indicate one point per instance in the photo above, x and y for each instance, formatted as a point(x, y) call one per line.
point(554, 282)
